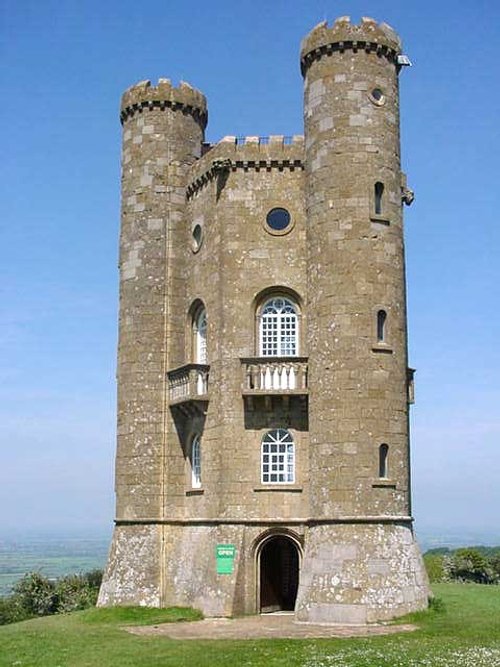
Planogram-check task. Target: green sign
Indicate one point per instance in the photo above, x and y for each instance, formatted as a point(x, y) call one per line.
point(224, 556)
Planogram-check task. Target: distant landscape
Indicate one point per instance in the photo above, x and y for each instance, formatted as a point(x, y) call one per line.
point(55, 556)
point(52, 556)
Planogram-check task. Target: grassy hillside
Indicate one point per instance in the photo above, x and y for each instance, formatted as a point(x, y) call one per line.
point(465, 634)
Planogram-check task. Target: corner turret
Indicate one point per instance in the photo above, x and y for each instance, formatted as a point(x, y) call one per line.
point(343, 35)
point(145, 96)
point(163, 132)
point(358, 410)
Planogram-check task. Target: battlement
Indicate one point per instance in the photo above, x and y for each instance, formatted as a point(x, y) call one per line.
point(164, 95)
point(275, 140)
point(248, 153)
point(343, 35)
point(271, 151)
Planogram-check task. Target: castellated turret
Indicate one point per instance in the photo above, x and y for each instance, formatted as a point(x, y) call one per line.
point(163, 130)
point(358, 416)
point(263, 382)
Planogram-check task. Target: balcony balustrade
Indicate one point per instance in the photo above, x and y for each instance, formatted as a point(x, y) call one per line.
point(188, 385)
point(274, 376)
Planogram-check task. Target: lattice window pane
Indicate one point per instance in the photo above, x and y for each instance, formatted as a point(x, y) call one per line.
point(279, 329)
point(278, 458)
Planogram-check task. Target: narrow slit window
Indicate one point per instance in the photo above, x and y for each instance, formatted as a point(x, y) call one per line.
point(196, 463)
point(383, 452)
point(379, 192)
point(381, 322)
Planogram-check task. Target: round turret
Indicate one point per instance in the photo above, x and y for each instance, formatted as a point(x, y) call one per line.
point(358, 402)
point(343, 35)
point(163, 132)
point(145, 96)
point(356, 265)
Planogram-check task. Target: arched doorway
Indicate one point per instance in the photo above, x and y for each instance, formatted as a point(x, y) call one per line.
point(279, 574)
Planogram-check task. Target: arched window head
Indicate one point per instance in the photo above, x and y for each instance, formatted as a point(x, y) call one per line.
point(383, 452)
point(379, 191)
point(381, 320)
point(196, 462)
point(279, 330)
point(200, 331)
point(278, 457)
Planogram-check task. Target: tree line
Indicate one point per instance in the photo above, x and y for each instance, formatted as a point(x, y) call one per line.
point(37, 595)
point(480, 565)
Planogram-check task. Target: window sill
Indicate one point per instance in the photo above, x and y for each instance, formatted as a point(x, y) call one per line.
point(195, 492)
point(278, 487)
point(380, 219)
point(382, 348)
point(383, 482)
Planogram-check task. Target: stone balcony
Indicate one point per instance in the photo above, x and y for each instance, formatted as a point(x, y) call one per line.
point(188, 387)
point(273, 376)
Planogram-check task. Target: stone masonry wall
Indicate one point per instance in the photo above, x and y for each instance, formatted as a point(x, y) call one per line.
point(133, 575)
point(360, 574)
point(238, 262)
point(162, 135)
point(355, 268)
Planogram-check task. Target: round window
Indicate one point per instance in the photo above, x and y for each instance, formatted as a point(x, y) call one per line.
point(377, 96)
point(278, 219)
point(197, 237)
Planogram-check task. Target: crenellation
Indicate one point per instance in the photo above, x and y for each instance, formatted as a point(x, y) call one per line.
point(369, 37)
point(144, 96)
point(252, 152)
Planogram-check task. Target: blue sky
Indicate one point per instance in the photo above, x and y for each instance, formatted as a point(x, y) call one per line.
point(66, 63)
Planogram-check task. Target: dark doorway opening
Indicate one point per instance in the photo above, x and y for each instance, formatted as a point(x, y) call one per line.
point(279, 575)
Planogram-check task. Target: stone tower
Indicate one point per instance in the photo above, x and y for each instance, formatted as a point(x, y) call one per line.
point(163, 130)
point(263, 384)
point(358, 416)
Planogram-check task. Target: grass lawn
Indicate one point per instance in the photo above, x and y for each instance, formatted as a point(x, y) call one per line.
point(465, 634)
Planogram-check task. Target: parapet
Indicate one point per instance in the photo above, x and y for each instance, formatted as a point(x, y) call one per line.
point(184, 97)
point(343, 35)
point(251, 153)
point(274, 144)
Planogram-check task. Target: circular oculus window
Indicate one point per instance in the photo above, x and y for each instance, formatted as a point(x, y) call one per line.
point(278, 221)
point(197, 237)
point(377, 97)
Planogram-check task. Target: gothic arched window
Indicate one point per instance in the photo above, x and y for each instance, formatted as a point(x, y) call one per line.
point(200, 331)
point(278, 457)
point(279, 330)
point(196, 462)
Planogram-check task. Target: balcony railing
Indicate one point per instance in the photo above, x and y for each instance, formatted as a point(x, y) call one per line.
point(188, 383)
point(274, 375)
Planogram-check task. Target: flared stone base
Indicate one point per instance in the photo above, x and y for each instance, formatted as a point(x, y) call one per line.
point(348, 573)
point(132, 574)
point(166, 565)
point(360, 573)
